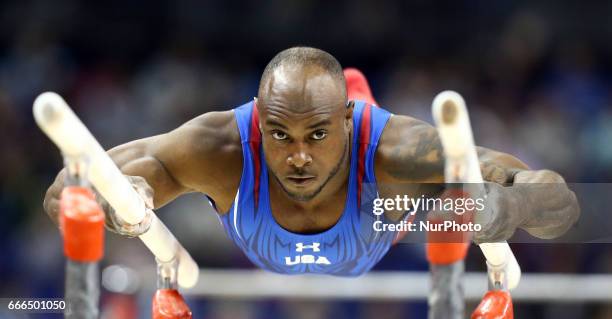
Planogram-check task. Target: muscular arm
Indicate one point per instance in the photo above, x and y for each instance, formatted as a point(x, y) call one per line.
point(410, 152)
point(202, 155)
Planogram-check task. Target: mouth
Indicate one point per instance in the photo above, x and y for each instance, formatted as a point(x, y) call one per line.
point(301, 180)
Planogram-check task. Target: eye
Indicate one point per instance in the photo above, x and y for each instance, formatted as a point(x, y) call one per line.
point(277, 135)
point(319, 135)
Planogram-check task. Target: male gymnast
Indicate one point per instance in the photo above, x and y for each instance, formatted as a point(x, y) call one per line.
point(285, 171)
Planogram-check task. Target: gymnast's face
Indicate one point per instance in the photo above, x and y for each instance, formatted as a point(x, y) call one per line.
point(305, 125)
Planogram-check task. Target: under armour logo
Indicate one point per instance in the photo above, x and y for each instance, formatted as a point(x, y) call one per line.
point(307, 259)
point(300, 247)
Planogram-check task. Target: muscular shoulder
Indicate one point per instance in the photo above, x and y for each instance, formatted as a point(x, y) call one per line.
point(206, 154)
point(211, 134)
point(408, 151)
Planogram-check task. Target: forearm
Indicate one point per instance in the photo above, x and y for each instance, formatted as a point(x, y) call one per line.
point(498, 167)
point(132, 159)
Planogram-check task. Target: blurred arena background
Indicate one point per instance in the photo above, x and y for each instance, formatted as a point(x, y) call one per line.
point(537, 77)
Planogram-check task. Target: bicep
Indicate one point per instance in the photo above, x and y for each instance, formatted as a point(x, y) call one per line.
point(411, 151)
point(203, 155)
point(183, 160)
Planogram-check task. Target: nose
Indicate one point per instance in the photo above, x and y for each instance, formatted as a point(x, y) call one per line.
point(300, 158)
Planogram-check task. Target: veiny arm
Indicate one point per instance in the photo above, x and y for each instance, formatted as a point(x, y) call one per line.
point(189, 158)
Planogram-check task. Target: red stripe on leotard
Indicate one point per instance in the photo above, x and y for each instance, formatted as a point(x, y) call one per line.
point(254, 144)
point(364, 142)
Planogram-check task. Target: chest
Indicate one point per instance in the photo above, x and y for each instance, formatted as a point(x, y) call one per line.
point(296, 219)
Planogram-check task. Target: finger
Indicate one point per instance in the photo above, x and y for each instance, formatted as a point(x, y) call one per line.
point(52, 209)
point(145, 194)
point(493, 173)
point(143, 189)
point(148, 192)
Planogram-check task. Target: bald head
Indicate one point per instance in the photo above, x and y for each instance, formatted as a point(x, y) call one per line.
point(304, 77)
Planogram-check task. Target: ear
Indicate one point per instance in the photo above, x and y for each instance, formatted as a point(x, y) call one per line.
point(257, 104)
